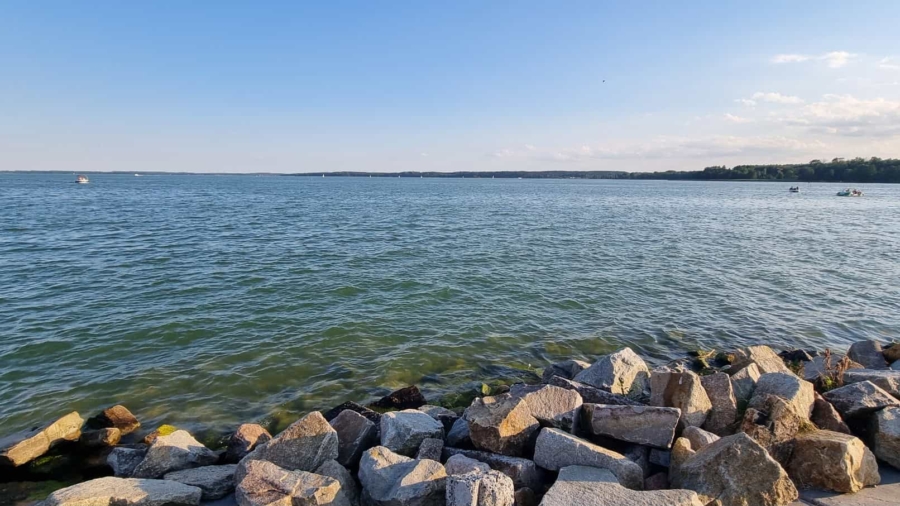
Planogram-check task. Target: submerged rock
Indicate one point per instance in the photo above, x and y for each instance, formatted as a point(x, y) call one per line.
point(244, 440)
point(588, 486)
point(859, 399)
point(556, 449)
point(117, 417)
point(886, 436)
point(652, 426)
point(567, 369)
point(173, 453)
point(832, 461)
point(125, 492)
point(622, 372)
point(406, 398)
point(100, 438)
point(356, 434)
point(215, 481)
point(681, 390)
point(303, 446)
point(389, 479)
point(501, 424)
point(868, 353)
point(403, 431)
point(22, 448)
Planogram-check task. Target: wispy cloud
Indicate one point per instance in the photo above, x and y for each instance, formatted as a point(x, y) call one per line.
point(776, 98)
point(847, 115)
point(889, 64)
point(834, 59)
point(736, 119)
point(790, 58)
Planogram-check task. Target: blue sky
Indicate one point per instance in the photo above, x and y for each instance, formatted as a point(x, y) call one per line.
point(471, 85)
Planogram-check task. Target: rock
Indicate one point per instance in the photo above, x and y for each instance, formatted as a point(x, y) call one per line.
point(356, 434)
point(266, 484)
point(501, 424)
point(660, 457)
point(815, 369)
point(773, 424)
point(303, 446)
point(389, 479)
point(372, 416)
point(886, 436)
point(799, 394)
point(458, 436)
point(891, 352)
point(125, 492)
point(825, 417)
point(117, 417)
point(403, 431)
point(123, 461)
point(699, 438)
point(567, 369)
point(526, 497)
point(523, 472)
point(859, 399)
point(724, 405)
point(173, 453)
point(734, 471)
point(244, 440)
point(796, 356)
point(588, 486)
point(743, 383)
point(556, 449)
point(832, 461)
point(658, 481)
point(460, 464)
point(765, 359)
point(162, 430)
point(406, 398)
point(349, 487)
point(22, 448)
point(887, 380)
point(622, 372)
point(215, 481)
point(868, 353)
point(441, 414)
point(492, 488)
point(552, 406)
point(594, 395)
point(431, 449)
point(652, 426)
point(681, 451)
point(100, 438)
point(681, 390)
point(895, 366)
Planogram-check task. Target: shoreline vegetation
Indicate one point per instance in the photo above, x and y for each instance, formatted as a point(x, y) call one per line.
point(740, 427)
point(838, 170)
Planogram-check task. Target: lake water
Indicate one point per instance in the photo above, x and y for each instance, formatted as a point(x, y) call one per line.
point(214, 300)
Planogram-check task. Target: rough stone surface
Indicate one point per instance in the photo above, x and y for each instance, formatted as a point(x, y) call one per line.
point(567, 369)
point(832, 461)
point(681, 390)
point(430, 448)
point(123, 461)
point(891, 352)
point(266, 484)
point(403, 431)
point(389, 479)
point(859, 399)
point(886, 436)
point(594, 395)
point(825, 417)
point(406, 398)
point(652, 426)
point(303, 446)
point(491, 488)
point(174, 452)
point(526, 497)
point(868, 353)
point(588, 486)
point(215, 481)
point(115, 417)
point(372, 416)
point(734, 471)
point(814, 369)
point(459, 436)
point(356, 434)
point(681, 451)
point(552, 406)
point(501, 424)
point(125, 492)
point(765, 359)
point(658, 481)
point(640, 455)
point(435, 412)
point(100, 438)
point(887, 380)
point(773, 424)
point(244, 440)
point(524, 472)
point(660, 458)
point(349, 487)
point(622, 372)
point(799, 394)
point(895, 366)
point(743, 383)
point(699, 438)
point(460, 464)
point(724, 405)
point(556, 449)
point(22, 448)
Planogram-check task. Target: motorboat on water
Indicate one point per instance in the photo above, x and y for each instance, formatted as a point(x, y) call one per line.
point(794, 189)
point(82, 179)
point(850, 192)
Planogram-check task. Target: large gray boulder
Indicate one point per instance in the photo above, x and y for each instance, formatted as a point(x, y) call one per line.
point(567, 369)
point(303, 446)
point(266, 484)
point(125, 492)
point(174, 452)
point(888, 380)
point(552, 406)
point(886, 436)
point(743, 383)
point(764, 357)
point(215, 481)
point(490, 488)
point(622, 372)
point(244, 440)
point(724, 411)
point(556, 449)
point(869, 354)
point(23, 447)
point(645, 425)
point(389, 479)
point(501, 424)
point(589, 486)
point(123, 461)
point(523, 472)
point(403, 431)
point(682, 390)
point(356, 434)
point(832, 461)
point(349, 487)
point(859, 399)
point(733, 471)
point(799, 394)
point(594, 395)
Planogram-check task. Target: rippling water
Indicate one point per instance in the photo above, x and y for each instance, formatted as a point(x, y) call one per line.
point(222, 299)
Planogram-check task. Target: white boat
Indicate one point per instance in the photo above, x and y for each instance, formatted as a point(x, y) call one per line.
point(850, 192)
point(82, 180)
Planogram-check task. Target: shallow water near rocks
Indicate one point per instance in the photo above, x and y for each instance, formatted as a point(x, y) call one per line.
point(215, 300)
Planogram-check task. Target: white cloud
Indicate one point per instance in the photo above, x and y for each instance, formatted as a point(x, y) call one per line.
point(848, 115)
point(776, 98)
point(736, 119)
point(834, 59)
point(746, 101)
point(789, 58)
point(888, 64)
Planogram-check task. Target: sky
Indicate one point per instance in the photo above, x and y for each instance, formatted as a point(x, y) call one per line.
point(291, 86)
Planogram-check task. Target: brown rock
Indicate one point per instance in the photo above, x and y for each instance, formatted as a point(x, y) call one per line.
point(303, 446)
point(799, 394)
point(100, 438)
point(892, 352)
point(622, 372)
point(406, 398)
point(719, 389)
point(765, 359)
point(118, 417)
point(833, 461)
point(825, 417)
point(526, 497)
point(21, 448)
point(658, 481)
point(244, 440)
point(773, 425)
point(743, 383)
point(266, 484)
point(552, 406)
point(682, 390)
point(501, 424)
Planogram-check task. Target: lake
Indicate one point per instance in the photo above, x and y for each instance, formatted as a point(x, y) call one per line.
point(213, 300)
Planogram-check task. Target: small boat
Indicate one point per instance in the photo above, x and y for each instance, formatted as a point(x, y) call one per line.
point(82, 180)
point(137, 175)
point(850, 192)
point(794, 189)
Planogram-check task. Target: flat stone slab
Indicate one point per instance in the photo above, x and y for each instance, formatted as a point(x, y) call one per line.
point(888, 493)
point(126, 492)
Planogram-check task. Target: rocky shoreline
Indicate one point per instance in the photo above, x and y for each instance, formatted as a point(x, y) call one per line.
point(748, 427)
